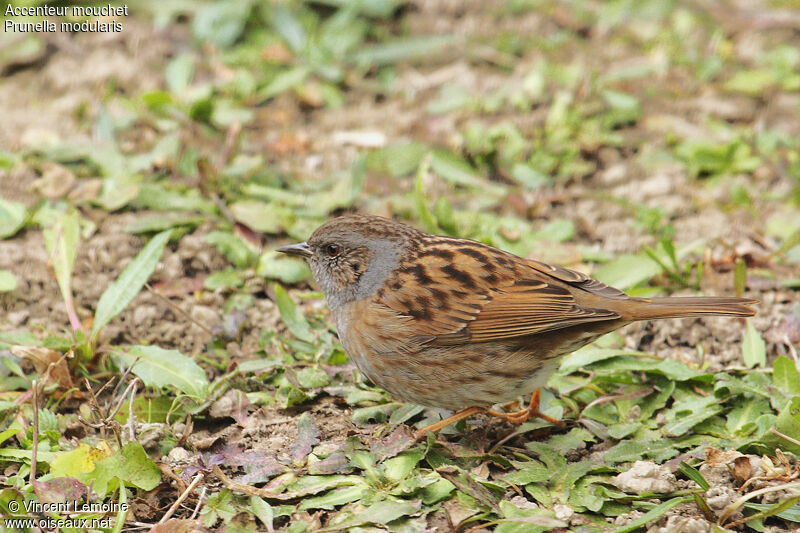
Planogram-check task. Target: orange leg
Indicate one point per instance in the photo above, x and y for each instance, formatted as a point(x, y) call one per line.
point(452, 419)
point(532, 411)
point(517, 417)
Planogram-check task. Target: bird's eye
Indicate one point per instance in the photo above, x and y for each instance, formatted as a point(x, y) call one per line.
point(332, 250)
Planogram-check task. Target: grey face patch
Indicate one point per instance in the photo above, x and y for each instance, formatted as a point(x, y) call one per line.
point(381, 257)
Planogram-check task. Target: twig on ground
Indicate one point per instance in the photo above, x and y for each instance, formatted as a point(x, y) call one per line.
point(185, 494)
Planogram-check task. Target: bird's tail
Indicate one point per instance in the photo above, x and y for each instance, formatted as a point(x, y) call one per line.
point(676, 307)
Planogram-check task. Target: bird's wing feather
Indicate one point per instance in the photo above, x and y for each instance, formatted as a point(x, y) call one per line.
point(487, 295)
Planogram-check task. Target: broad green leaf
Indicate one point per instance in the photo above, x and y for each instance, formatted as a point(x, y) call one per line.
point(788, 424)
point(292, 316)
point(399, 50)
point(223, 279)
point(559, 230)
point(397, 468)
point(288, 27)
point(130, 282)
point(10, 432)
point(632, 450)
point(277, 266)
point(261, 216)
point(220, 23)
point(335, 498)
point(528, 472)
point(753, 81)
point(232, 247)
point(686, 414)
point(148, 410)
point(131, 464)
point(284, 81)
point(378, 513)
point(75, 462)
point(457, 171)
point(785, 375)
point(754, 348)
point(12, 217)
point(262, 510)
point(587, 355)
point(163, 221)
point(165, 368)
point(627, 271)
point(178, 73)
point(8, 282)
point(743, 419)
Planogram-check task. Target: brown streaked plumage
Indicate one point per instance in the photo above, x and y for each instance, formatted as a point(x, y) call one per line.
point(454, 323)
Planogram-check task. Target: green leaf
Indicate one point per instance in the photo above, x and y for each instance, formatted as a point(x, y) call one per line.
point(220, 23)
point(630, 450)
point(222, 279)
point(559, 230)
point(12, 217)
point(420, 198)
point(163, 221)
point(165, 368)
point(178, 73)
point(792, 513)
point(627, 271)
point(232, 247)
point(277, 266)
point(785, 375)
point(694, 474)
point(292, 316)
point(335, 498)
point(75, 462)
point(587, 355)
point(130, 464)
point(686, 414)
point(399, 50)
point(528, 472)
point(753, 82)
point(61, 240)
point(782, 508)
point(284, 81)
point(787, 423)
point(754, 349)
point(378, 513)
point(743, 419)
point(8, 282)
point(262, 510)
point(261, 216)
point(117, 297)
point(653, 514)
point(123, 509)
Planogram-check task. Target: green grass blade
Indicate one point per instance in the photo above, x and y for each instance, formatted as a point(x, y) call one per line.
point(653, 514)
point(694, 474)
point(130, 282)
point(61, 241)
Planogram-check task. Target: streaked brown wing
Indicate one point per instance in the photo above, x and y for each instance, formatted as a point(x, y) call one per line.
point(462, 291)
point(530, 307)
point(578, 280)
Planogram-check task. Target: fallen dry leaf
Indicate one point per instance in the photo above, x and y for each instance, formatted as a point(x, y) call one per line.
point(51, 365)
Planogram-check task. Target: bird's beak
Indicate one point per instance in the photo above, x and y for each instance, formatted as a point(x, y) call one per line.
point(301, 248)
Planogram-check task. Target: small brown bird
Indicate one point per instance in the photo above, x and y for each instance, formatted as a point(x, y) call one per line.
point(454, 323)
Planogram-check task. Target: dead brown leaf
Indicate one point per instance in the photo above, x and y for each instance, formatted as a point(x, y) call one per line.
point(51, 365)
